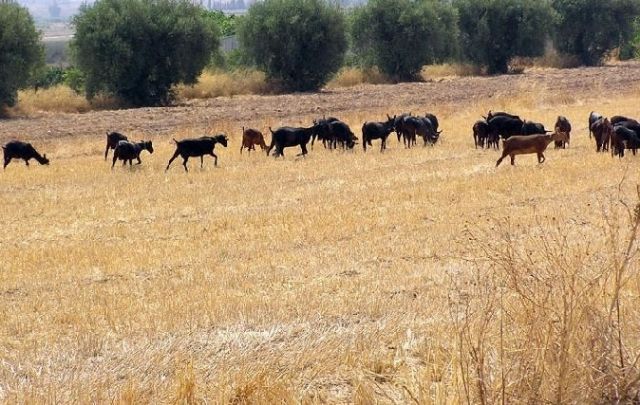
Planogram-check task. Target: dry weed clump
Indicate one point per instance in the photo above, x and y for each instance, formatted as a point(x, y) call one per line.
point(450, 70)
point(219, 84)
point(548, 315)
point(353, 76)
point(60, 98)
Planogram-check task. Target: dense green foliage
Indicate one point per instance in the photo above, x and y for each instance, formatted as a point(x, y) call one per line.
point(227, 24)
point(138, 49)
point(589, 29)
point(299, 43)
point(21, 53)
point(494, 31)
point(401, 36)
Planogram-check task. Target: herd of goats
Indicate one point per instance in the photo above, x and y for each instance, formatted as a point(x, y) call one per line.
point(518, 137)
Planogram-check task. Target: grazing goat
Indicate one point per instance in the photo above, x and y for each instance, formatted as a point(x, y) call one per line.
point(112, 141)
point(377, 130)
point(333, 132)
point(533, 128)
point(525, 144)
point(563, 126)
point(22, 150)
point(324, 132)
point(286, 137)
point(593, 117)
point(194, 147)
point(127, 151)
point(504, 126)
point(250, 138)
point(434, 122)
point(602, 131)
point(419, 126)
point(624, 138)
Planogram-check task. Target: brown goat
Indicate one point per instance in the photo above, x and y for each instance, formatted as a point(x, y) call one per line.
point(250, 138)
point(525, 144)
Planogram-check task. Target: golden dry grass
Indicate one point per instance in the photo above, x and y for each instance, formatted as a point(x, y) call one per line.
point(444, 70)
point(60, 98)
point(217, 84)
point(423, 275)
point(353, 76)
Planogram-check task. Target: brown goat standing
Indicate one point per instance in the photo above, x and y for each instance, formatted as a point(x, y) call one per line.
point(525, 144)
point(250, 138)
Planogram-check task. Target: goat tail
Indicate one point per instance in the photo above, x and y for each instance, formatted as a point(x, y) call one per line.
point(271, 130)
point(174, 140)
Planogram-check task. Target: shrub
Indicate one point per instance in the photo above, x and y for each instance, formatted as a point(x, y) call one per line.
point(494, 31)
point(21, 53)
point(138, 49)
point(400, 36)
point(299, 43)
point(589, 29)
point(48, 76)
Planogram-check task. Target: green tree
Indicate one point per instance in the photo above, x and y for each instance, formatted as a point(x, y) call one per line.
point(401, 36)
point(138, 49)
point(21, 53)
point(589, 29)
point(299, 43)
point(494, 31)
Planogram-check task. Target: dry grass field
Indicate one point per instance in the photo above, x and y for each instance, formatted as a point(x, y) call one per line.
point(414, 276)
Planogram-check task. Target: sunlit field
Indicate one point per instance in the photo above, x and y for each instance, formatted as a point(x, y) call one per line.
point(421, 275)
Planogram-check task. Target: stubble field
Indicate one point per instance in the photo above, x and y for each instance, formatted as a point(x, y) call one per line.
point(424, 275)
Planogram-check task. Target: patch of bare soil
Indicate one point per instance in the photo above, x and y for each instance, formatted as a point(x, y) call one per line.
point(290, 108)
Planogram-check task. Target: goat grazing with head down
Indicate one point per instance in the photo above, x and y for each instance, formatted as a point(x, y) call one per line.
point(525, 144)
point(127, 151)
point(24, 151)
point(250, 138)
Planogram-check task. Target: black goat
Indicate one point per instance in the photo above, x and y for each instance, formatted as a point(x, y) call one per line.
point(336, 133)
point(112, 141)
point(127, 151)
point(22, 150)
point(286, 137)
point(195, 147)
point(324, 131)
point(624, 138)
point(378, 130)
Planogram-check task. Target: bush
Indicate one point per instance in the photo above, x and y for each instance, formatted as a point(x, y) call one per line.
point(48, 76)
point(138, 49)
point(299, 43)
point(589, 29)
point(21, 53)
point(401, 36)
point(494, 31)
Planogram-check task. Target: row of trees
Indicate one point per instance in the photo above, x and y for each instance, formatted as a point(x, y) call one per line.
point(139, 49)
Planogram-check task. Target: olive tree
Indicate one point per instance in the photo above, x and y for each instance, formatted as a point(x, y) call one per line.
point(589, 29)
point(401, 36)
point(21, 53)
point(298, 43)
point(494, 31)
point(138, 50)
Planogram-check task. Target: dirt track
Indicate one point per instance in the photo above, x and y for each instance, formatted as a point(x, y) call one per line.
point(248, 110)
